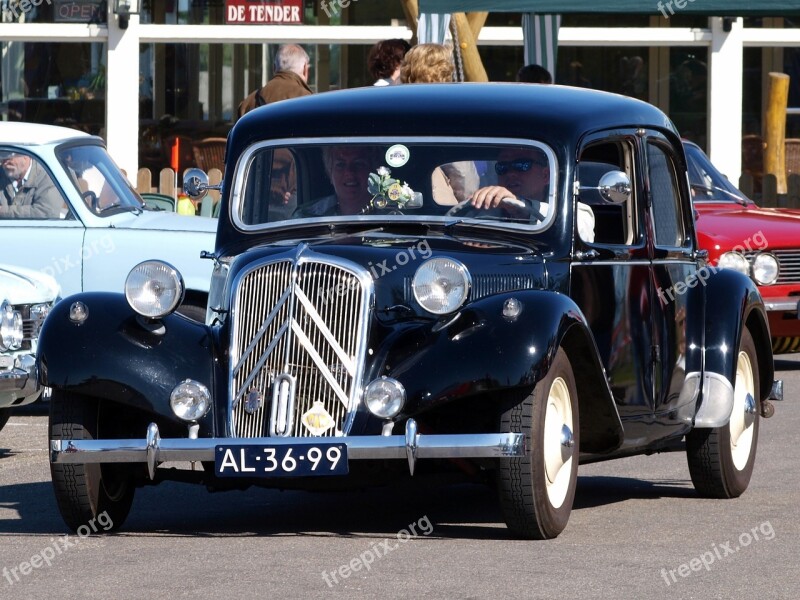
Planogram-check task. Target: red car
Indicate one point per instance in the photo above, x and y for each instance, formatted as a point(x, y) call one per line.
point(762, 243)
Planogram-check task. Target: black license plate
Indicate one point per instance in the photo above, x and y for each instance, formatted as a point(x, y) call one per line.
point(294, 460)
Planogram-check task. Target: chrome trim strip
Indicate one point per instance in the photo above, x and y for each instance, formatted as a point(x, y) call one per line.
point(156, 449)
point(244, 161)
point(781, 305)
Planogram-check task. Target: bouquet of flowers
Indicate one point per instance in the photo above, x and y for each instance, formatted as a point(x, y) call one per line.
point(386, 190)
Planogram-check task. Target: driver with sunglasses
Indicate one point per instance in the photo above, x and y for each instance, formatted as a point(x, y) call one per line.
point(524, 175)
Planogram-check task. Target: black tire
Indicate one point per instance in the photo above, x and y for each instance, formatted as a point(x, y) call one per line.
point(84, 491)
point(717, 469)
point(536, 505)
point(5, 415)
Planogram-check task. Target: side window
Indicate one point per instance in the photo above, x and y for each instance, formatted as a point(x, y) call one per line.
point(665, 198)
point(26, 189)
point(613, 223)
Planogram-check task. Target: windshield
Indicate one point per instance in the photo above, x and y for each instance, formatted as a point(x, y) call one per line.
point(101, 184)
point(707, 183)
point(510, 184)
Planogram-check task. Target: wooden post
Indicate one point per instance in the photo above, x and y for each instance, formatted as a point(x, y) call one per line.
point(476, 22)
point(775, 149)
point(411, 10)
point(473, 66)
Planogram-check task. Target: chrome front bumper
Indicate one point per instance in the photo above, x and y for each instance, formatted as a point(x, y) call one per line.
point(789, 304)
point(411, 446)
point(19, 381)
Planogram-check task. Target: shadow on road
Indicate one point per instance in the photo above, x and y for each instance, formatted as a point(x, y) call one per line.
point(463, 511)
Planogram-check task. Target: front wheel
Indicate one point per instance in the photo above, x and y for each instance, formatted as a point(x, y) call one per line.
point(87, 493)
point(537, 490)
point(721, 459)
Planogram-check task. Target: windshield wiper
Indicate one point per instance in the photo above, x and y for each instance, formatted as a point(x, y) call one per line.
point(735, 197)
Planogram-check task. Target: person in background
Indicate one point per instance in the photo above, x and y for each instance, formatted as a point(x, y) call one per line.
point(428, 63)
point(534, 74)
point(383, 61)
point(433, 63)
point(291, 68)
point(26, 190)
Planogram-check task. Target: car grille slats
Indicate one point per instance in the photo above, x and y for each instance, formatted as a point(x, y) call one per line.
point(302, 320)
point(788, 263)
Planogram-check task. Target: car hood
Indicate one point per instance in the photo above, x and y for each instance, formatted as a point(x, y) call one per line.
point(165, 221)
point(750, 227)
point(25, 286)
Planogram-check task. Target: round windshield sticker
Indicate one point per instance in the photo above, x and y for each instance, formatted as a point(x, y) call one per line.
point(397, 155)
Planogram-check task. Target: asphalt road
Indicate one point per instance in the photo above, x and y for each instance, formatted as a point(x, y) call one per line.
point(637, 531)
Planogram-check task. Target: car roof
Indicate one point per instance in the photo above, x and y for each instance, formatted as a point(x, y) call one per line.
point(512, 110)
point(35, 134)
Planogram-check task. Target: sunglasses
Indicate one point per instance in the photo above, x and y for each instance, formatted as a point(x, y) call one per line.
point(7, 155)
point(521, 165)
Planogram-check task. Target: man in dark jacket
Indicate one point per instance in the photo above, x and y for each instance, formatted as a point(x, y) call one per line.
point(26, 190)
point(290, 80)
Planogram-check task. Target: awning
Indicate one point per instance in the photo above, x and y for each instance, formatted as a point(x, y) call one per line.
point(713, 8)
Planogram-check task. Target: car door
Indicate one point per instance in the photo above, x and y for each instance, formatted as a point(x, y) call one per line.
point(51, 246)
point(611, 278)
point(673, 276)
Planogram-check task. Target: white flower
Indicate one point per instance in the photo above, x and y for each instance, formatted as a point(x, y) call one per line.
point(407, 191)
point(383, 172)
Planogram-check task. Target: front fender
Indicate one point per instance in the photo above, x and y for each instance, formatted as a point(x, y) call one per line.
point(479, 352)
point(114, 355)
point(732, 301)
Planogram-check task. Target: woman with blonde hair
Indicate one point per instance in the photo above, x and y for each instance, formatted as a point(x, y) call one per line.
point(428, 63)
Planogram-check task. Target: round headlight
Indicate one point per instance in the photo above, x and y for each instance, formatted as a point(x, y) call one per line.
point(765, 269)
point(190, 400)
point(385, 397)
point(154, 288)
point(441, 285)
point(10, 327)
point(735, 261)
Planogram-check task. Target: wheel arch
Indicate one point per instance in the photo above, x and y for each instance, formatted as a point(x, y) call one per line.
point(600, 426)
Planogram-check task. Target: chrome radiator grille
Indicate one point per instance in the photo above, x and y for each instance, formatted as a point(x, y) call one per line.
point(298, 336)
point(788, 262)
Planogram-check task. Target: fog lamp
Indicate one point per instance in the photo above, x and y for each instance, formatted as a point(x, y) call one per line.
point(385, 397)
point(190, 400)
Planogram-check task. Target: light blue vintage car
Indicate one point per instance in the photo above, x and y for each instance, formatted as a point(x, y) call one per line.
point(93, 228)
point(26, 298)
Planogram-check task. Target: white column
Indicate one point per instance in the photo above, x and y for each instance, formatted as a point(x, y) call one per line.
point(725, 74)
point(122, 94)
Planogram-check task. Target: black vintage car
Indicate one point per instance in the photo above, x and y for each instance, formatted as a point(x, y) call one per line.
point(498, 280)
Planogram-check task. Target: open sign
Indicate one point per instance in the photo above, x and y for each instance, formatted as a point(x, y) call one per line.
point(79, 11)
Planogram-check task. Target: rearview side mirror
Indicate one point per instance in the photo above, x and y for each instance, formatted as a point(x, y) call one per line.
point(614, 187)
